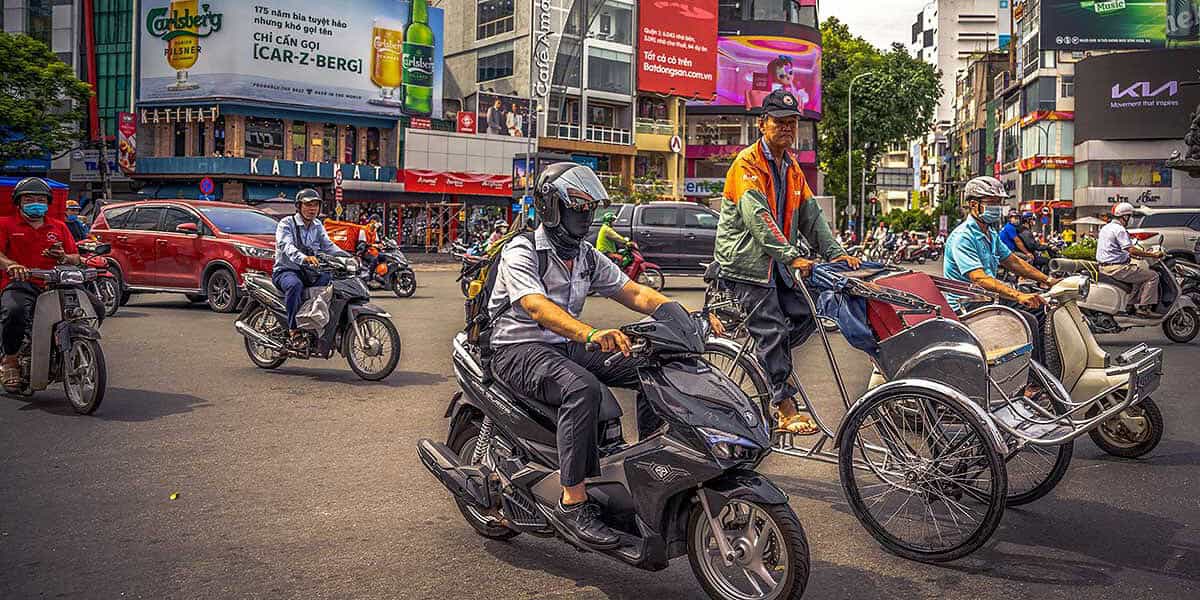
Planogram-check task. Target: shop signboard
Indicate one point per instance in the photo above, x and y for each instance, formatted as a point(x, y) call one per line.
point(504, 115)
point(677, 47)
point(466, 122)
point(263, 167)
point(85, 166)
point(1046, 162)
point(703, 187)
point(750, 67)
point(1119, 24)
point(1136, 95)
point(367, 56)
point(446, 182)
point(127, 142)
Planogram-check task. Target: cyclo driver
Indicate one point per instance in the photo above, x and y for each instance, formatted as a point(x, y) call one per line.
point(28, 240)
point(540, 344)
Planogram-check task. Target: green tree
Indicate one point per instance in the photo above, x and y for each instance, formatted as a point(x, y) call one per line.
point(893, 105)
point(41, 101)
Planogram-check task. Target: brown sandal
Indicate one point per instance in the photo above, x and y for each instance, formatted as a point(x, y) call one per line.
point(10, 375)
point(798, 424)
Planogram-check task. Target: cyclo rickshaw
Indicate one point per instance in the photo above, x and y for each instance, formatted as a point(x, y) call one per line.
point(955, 406)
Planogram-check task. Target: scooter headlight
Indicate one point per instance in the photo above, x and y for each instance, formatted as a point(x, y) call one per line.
point(727, 446)
point(70, 277)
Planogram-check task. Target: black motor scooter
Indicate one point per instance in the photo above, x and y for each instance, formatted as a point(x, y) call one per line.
point(690, 488)
point(391, 271)
point(361, 331)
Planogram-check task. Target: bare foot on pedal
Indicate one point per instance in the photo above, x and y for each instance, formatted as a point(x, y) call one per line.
point(791, 421)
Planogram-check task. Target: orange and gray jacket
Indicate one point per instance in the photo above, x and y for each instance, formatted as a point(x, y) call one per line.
point(748, 237)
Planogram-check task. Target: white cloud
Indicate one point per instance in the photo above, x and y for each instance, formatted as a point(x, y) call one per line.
point(880, 22)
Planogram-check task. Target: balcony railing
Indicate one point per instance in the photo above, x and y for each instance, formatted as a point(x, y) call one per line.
point(563, 131)
point(606, 135)
point(655, 127)
point(610, 182)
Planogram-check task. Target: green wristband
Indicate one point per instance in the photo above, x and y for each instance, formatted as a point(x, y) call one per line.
point(588, 340)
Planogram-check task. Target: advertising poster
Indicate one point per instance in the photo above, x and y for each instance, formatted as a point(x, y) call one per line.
point(127, 142)
point(368, 56)
point(749, 68)
point(1136, 95)
point(1119, 24)
point(677, 47)
point(504, 115)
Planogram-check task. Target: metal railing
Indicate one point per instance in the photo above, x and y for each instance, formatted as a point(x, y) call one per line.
point(655, 127)
point(606, 135)
point(563, 131)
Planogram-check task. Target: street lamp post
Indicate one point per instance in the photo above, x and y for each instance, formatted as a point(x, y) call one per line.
point(850, 155)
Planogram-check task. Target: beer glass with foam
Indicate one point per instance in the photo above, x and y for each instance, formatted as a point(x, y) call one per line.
point(387, 43)
point(183, 49)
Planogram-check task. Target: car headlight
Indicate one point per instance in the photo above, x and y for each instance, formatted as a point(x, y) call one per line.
point(256, 252)
point(727, 446)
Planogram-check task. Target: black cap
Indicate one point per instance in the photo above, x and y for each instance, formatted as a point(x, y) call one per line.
point(781, 103)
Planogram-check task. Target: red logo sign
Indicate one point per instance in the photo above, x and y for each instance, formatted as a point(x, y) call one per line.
point(438, 182)
point(466, 122)
point(678, 47)
point(420, 123)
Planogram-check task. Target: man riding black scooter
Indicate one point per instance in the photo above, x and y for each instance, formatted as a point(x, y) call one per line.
point(541, 344)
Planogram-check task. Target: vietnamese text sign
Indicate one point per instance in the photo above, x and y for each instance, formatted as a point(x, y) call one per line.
point(85, 166)
point(369, 56)
point(677, 47)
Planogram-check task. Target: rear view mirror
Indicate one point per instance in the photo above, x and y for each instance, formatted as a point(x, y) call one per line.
point(189, 228)
point(102, 248)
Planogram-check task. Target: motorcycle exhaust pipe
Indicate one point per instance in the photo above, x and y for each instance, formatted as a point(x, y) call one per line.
point(440, 461)
point(257, 336)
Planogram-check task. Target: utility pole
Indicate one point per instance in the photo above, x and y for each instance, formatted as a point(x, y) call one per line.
point(850, 153)
point(104, 176)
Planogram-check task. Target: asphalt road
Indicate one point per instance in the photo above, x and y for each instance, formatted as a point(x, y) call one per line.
point(304, 483)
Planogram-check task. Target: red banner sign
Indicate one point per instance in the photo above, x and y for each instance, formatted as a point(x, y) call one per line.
point(127, 142)
point(438, 182)
point(1047, 115)
point(1048, 162)
point(677, 53)
point(420, 123)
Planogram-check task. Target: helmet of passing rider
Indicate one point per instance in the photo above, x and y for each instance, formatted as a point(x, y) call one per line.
point(1123, 209)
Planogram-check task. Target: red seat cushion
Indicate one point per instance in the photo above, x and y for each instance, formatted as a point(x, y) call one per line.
point(886, 319)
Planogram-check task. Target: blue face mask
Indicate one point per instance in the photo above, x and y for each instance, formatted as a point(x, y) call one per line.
point(72, 218)
point(992, 215)
point(35, 210)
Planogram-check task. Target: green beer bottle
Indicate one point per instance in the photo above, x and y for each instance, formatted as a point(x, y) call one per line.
point(418, 61)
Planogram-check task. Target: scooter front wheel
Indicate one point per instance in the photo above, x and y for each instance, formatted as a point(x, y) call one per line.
point(771, 558)
point(85, 375)
point(371, 346)
point(1183, 326)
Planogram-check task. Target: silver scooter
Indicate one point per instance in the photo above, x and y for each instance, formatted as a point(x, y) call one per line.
point(64, 343)
point(1107, 306)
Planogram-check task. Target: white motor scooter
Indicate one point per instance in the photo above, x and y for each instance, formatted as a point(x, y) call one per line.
point(1107, 306)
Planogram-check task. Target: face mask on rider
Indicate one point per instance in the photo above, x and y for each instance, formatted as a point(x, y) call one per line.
point(991, 214)
point(35, 210)
point(577, 223)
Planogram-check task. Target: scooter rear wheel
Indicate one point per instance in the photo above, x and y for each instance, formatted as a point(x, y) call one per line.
point(265, 322)
point(85, 376)
point(404, 284)
point(462, 443)
point(1183, 326)
point(772, 557)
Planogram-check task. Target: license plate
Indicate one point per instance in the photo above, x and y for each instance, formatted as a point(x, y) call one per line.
point(1148, 380)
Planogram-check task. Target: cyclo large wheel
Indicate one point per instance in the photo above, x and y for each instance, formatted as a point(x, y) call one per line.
point(744, 371)
point(1034, 471)
point(931, 488)
point(85, 376)
point(772, 552)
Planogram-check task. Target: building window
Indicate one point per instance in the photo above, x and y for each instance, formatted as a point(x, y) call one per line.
point(651, 164)
point(788, 11)
point(609, 71)
point(601, 115)
point(219, 136)
point(1038, 185)
point(201, 133)
point(180, 131)
point(264, 138)
point(652, 109)
point(806, 136)
point(350, 155)
point(495, 62)
point(1137, 173)
point(39, 20)
point(299, 141)
point(715, 131)
point(612, 22)
point(493, 17)
point(373, 146)
point(329, 143)
point(1068, 86)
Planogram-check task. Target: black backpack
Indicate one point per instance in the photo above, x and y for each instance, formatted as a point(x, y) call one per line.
point(480, 322)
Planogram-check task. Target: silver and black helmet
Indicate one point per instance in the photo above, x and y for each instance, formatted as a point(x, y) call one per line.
point(567, 185)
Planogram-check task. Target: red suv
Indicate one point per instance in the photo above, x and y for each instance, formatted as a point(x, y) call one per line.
point(198, 248)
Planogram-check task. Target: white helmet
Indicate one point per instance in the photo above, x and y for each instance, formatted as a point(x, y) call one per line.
point(1123, 209)
point(985, 187)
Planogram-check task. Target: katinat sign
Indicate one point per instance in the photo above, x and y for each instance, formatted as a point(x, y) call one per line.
point(1135, 95)
point(677, 47)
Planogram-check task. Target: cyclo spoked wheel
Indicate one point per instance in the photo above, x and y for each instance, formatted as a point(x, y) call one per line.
point(744, 371)
point(772, 561)
point(932, 488)
point(371, 346)
point(1034, 471)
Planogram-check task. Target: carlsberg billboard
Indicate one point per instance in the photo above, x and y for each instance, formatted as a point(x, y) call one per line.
point(368, 56)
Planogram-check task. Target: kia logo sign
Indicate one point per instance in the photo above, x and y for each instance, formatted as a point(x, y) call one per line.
point(1142, 89)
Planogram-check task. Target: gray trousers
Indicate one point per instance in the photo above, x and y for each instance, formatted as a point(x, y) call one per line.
point(1144, 281)
point(779, 320)
point(573, 379)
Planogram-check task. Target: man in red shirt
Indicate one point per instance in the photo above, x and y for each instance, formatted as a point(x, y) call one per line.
point(28, 240)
